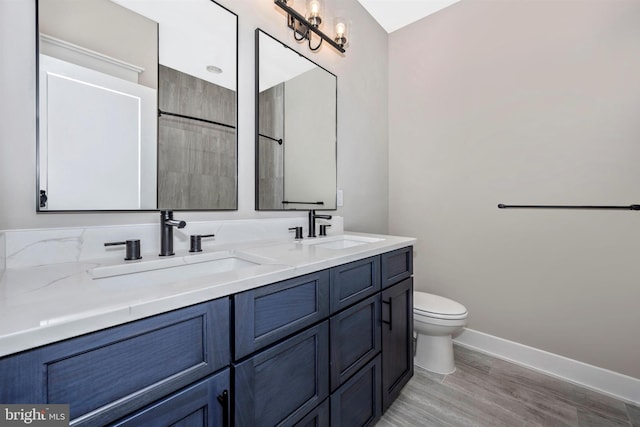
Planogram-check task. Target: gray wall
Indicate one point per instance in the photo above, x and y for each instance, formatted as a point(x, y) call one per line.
point(362, 121)
point(524, 102)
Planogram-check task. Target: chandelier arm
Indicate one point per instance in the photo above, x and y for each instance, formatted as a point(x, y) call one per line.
point(303, 36)
point(313, 49)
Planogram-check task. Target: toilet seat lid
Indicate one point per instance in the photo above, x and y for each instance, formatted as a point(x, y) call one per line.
point(437, 306)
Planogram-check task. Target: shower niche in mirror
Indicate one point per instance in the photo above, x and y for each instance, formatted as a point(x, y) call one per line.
point(295, 130)
point(137, 105)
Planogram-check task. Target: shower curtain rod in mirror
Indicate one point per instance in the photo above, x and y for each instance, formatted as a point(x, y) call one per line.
point(628, 207)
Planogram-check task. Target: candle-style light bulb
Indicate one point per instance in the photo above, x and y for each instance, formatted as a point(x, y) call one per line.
point(314, 12)
point(340, 25)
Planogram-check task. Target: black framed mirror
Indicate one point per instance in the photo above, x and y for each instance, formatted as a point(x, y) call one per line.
point(296, 128)
point(137, 105)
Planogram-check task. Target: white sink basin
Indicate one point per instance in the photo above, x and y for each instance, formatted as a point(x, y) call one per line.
point(167, 270)
point(341, 242)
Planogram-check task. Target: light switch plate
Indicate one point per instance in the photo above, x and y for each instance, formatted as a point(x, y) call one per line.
point(339, 201)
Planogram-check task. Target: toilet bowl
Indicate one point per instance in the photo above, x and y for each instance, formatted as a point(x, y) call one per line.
point(435, 319)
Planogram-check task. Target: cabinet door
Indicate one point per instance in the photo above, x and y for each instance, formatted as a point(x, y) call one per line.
point(397, 339)
point(357, 402)
point(204, 404)
point(396, 266)
point(319, 417)
point(355, 339)
point(281, 384)
point(108, 374)
point(354, 281)
point(267, 314)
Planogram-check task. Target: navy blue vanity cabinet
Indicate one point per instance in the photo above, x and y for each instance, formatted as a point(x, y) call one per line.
point(396, 266)
point(357, 402)
point(267, 314)
point(281, 384)
point(203, 404)
point(397, 339)
point(107, 375)
point(319, 417)
point(355, 339)
point(354, 281)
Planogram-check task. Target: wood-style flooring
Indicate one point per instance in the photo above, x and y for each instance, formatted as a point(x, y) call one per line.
point(485, 391)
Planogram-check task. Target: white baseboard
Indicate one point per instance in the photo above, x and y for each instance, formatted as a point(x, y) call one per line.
point(603, 381)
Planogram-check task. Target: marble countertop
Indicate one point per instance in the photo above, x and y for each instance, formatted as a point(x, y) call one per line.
point(41, 305)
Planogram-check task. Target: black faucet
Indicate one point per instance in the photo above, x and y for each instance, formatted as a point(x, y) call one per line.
point(166, 232)
point(312, 221)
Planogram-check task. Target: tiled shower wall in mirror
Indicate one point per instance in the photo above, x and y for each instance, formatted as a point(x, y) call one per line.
point(197, 160)
point(271, 154)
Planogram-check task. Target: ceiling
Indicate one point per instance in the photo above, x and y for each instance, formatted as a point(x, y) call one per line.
point(193, 35)
point(395, 14)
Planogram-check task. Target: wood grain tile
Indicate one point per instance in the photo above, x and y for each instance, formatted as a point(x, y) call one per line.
point(405, 412)
point(592, 419)
point(606, 406)
point(531, 406)
point(506, 371)
point(460, 407)
point(433, 376)
point(634, 415)
point(485, 391)
point(472, 358)
point(567, 392)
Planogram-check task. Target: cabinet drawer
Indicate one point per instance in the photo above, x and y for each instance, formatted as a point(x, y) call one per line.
point(355, 339)
point(203, 404)
point(357, 402)
point(281, 384)
point(267, 314)
point(396, 266)
point(132, 364)
point(354, 281)
point(319, 417)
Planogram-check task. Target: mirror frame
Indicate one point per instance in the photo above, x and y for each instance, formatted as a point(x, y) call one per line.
point(257, 127)
point(37, 123)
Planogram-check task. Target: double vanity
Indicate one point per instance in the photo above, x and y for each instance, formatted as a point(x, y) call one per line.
point(263, 333)
point(257, 329)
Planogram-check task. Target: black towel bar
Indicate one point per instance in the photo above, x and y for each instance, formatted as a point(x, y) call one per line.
point(628, 207)
point(182, 116)
point(286, 202)
point(279, 141)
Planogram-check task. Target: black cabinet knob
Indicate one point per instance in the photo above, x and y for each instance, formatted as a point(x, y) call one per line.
point(132, 248)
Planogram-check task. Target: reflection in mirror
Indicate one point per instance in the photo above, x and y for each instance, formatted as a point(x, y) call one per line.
point(137, 105)
point(296, 130)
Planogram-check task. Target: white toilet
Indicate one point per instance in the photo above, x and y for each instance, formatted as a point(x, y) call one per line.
point(435, 319)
